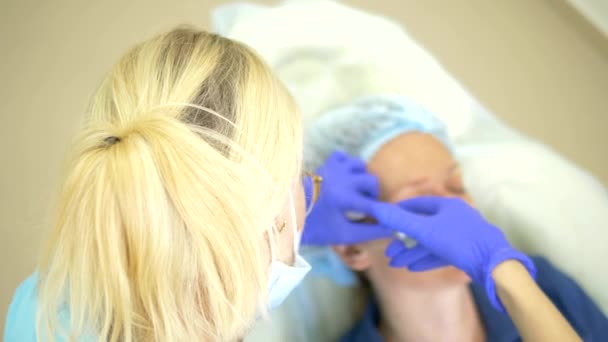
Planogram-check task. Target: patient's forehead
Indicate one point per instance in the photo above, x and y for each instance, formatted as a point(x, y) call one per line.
point(408, 158)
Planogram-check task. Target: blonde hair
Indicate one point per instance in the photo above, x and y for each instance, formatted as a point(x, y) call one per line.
point(187, 158)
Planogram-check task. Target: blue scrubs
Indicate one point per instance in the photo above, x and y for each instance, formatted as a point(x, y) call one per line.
point(588, 321)
point(21, 318)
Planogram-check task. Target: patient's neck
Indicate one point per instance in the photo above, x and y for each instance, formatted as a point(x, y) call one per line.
point(444, 314)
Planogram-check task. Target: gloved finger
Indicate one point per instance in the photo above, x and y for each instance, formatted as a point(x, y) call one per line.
point(357, 165)
point(409, 257)
point(363, 232)
point(395, 247)
point(425, 205)
point(359, 204)
point(367, 184)
point(393, 217)
point(428, 263)
point(308, 237)
point(337, 156)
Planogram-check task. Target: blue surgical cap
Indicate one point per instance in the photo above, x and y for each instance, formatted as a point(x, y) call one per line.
point(361, 129)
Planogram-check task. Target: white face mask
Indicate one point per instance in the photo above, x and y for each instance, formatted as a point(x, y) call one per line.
point(285, 278)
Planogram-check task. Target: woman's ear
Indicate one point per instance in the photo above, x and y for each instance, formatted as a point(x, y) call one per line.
point(355, 257)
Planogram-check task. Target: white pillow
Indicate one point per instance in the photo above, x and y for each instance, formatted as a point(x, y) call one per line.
point(329, 54)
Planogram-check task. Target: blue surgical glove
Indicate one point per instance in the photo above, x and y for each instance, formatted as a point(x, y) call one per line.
point(448, 232)
point(347, 187)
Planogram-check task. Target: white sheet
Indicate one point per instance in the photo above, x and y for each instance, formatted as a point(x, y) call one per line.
point(329, 54)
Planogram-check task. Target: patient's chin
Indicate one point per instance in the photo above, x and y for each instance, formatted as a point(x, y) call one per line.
point(432, 280)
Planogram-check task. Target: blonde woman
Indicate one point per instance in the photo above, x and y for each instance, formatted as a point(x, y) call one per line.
point(183, 187)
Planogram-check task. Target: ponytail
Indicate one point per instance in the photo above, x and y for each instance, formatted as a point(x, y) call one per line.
point(160, 225)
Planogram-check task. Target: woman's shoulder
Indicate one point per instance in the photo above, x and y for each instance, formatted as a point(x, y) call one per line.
point(21, 317)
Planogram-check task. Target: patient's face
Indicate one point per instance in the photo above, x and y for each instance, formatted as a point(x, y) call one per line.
point(410, 165)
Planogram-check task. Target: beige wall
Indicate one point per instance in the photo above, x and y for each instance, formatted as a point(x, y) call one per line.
point(534, 63)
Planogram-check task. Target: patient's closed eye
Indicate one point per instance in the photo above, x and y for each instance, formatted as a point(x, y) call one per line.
point(457, 189)
point(454, 183)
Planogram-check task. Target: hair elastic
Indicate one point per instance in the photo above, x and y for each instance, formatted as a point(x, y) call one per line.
point(111, 140)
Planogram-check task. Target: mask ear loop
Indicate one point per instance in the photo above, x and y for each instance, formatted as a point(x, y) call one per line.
point(272, 236)
point(294, 224)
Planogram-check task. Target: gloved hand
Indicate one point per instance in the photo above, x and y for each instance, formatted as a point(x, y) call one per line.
point(347, 187)
point(448, 232)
